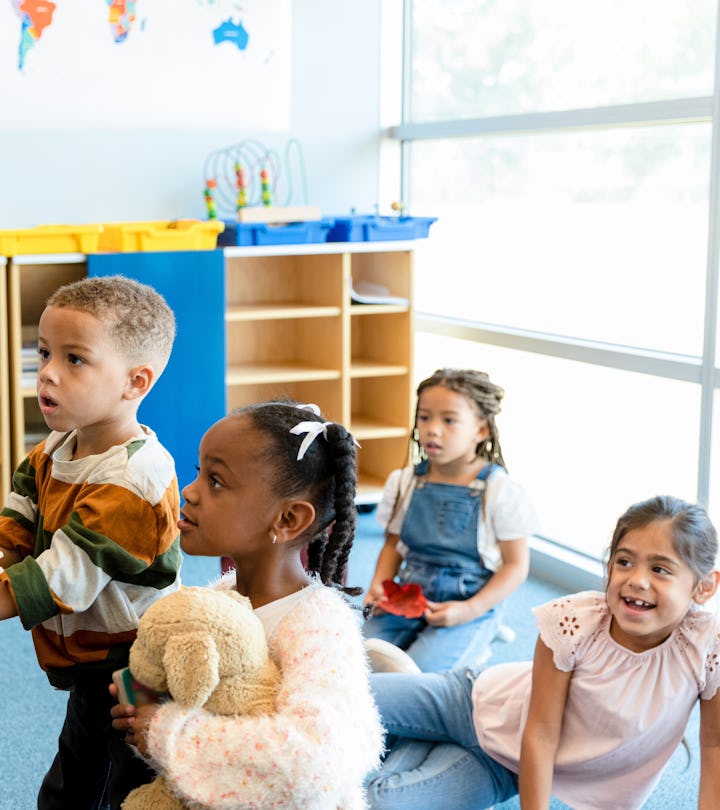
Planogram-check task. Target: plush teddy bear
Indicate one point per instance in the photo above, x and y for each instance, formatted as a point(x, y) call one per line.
point(205, 647)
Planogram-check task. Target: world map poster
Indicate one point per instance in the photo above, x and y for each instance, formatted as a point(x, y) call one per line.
point(101, 64)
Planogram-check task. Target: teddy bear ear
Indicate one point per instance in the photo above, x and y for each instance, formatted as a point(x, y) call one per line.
point(192, 667)
point(145, 669)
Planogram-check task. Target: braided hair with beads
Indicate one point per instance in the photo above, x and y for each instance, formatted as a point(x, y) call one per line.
point(326, 477)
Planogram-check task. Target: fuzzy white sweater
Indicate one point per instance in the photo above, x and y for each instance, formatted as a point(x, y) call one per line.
point(313, 753)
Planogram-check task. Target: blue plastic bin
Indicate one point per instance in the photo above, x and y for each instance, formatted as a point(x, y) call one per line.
point(263, 233)
point(373, 228)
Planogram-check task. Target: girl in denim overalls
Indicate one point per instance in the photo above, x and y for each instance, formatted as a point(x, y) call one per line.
point(456, 524)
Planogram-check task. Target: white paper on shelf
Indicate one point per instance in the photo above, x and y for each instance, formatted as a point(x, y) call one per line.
point(365, 292)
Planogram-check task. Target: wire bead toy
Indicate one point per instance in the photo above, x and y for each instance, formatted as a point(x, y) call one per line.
point(249, 173)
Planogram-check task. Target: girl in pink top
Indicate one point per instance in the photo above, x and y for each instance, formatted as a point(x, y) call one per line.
point(596, 716)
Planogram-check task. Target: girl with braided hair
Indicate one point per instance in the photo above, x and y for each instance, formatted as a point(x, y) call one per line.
point(272, 479)
point(456, 524)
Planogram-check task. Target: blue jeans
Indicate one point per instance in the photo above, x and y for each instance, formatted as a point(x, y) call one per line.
point(435, 762)
point(438, 648)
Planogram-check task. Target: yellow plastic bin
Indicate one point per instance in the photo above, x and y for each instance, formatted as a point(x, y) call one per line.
point(50, 239)
point(179, 234)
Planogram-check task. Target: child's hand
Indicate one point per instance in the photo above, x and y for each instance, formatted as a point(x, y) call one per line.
point(141, 723)
point(375, 594)
point(448, 614)
point(132, 720)
point(123, 715)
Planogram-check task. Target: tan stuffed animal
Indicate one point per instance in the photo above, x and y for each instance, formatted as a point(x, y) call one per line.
point(206, 648)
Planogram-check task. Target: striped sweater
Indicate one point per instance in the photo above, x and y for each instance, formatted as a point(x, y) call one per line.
point(99, 541)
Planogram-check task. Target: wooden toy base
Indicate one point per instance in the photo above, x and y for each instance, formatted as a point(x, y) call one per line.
point(279, 214)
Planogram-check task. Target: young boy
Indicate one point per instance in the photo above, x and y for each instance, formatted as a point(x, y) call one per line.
point(89, 532)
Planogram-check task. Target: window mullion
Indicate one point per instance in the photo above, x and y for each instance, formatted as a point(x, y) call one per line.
point(710, 336)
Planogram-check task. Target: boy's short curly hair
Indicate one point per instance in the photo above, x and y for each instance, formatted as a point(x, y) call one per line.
point(139, 321)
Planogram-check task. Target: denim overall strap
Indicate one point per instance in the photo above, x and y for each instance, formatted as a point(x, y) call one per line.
point(441, 524)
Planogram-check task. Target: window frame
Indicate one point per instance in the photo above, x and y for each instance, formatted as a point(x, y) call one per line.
point(703, 369)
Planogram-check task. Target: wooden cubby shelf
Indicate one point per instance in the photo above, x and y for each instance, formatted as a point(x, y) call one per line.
point(293, 327)
point(273, 373)
point(369, 368)
point(31, 279)
point(273, 311)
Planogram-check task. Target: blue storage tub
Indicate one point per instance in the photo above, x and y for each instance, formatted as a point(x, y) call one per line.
point(372, 228)
point(264, 233)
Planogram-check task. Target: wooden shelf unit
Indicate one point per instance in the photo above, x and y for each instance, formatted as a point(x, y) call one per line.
point(293, 331)
point(31, 280)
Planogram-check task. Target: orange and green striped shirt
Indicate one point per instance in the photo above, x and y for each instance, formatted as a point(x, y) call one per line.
point(100, 544)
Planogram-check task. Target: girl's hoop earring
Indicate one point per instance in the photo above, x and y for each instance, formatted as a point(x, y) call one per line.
point(274, 539)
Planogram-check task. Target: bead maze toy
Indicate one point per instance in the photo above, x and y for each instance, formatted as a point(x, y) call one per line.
point(241, 186)
point(210, 186)
point(249, 182)
point(266, 194)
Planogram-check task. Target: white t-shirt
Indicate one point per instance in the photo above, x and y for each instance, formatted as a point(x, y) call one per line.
point(508, 513)
point(274, 612)
point(626, 712)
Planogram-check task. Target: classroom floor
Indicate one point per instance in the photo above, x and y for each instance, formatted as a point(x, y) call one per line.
point(33, 712)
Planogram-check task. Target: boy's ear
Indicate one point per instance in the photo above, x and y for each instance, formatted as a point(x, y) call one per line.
point(707, 587)
point(295, 518)
point(140, 381)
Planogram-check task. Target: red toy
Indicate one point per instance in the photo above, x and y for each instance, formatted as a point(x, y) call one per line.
point(403, 600)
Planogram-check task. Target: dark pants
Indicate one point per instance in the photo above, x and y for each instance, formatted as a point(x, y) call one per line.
point(94, 768)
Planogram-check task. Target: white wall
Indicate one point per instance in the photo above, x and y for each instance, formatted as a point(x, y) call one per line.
point(76, 177)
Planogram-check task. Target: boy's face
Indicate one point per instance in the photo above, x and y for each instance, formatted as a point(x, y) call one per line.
point(82, 378)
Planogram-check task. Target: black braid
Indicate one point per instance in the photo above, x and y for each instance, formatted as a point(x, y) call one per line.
point(337, 550)
point(315, 551)
point(487, 397)
point(325, 476)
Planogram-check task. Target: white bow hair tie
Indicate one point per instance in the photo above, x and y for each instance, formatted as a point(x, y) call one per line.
point(311, 406)
point(313, 430)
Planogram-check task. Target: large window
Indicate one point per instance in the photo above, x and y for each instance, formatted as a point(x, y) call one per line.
point(483, 58)
point(570, 156)
point(598, 234)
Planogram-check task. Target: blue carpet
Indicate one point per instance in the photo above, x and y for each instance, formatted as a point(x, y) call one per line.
point(33, 712)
